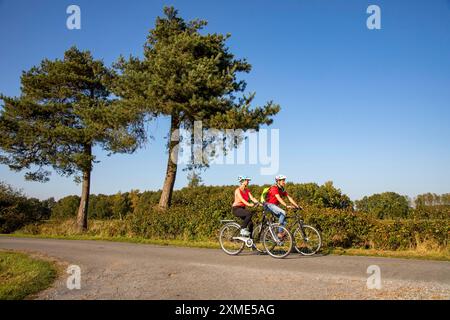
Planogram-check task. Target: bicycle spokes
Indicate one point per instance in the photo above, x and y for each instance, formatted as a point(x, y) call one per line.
point(228, 239)
point(277, 247)
point(307, 240)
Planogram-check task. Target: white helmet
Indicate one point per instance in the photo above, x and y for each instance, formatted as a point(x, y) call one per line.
point(280, 177)
point(242, 178)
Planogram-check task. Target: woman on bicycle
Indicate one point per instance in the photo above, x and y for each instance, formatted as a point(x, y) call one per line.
point(242, 195)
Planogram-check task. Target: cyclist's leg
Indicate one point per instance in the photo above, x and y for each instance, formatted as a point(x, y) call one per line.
point(246, 217)
point(279, 213)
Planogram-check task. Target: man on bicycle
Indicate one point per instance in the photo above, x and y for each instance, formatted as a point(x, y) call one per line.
point(273, 199)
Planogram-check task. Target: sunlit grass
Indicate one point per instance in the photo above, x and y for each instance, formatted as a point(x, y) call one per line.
point(21, 275)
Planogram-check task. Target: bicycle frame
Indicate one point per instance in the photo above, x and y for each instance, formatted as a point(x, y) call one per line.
point(270, 224)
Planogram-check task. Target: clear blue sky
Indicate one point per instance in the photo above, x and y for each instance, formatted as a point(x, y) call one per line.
point(367, 109)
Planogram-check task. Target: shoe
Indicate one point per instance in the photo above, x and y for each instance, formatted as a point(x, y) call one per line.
point(245, 232)
point(282, 235)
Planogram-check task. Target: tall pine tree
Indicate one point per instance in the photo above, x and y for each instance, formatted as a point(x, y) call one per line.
point(188, 76)
point(63, 112)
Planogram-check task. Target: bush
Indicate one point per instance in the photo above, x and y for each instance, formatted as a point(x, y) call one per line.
point(387, 205)
point(340, 228)
point(66, 207)
point(407, 234)
point(196, 213)
point(16, 210)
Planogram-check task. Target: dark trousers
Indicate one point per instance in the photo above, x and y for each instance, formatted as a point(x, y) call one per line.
point(246, 216)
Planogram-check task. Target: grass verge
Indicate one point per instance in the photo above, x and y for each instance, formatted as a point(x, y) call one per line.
point(441, 255)
point(22, 275)
point(403, 254)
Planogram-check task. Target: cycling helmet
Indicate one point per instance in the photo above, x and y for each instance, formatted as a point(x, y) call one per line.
point(242, 178)
point(280, 177)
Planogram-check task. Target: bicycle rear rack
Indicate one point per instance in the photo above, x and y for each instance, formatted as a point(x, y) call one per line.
point(226, 221)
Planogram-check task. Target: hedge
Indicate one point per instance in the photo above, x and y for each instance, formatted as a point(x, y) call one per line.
point(196, 213)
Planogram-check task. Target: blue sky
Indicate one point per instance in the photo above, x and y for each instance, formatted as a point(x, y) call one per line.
point(367, 109)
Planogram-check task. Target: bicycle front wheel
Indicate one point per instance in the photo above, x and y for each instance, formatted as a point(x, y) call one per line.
point(277, 247)
point(229, 245)
point(257, 236)
point(307, 242)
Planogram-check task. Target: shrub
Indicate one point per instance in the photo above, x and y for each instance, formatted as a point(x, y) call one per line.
point(387, 205)
point(196, 213)
point(16, 210)
point(66, 207)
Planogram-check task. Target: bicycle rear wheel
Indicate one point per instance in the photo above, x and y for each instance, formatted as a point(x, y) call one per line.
point(229, 245)
point(277, 247)
point(309, 242)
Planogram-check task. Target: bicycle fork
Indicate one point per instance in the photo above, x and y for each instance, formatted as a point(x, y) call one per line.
point(302, 231)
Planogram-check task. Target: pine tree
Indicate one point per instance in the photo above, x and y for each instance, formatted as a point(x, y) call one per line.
point(63, 112)
point(189, 77)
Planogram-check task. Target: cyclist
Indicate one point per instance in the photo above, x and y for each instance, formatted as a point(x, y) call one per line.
point(273, 198)
point(242, 195)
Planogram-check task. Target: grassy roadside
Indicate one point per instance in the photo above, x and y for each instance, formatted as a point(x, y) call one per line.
point(401, 254)
point(404, 254)
point(22, 275)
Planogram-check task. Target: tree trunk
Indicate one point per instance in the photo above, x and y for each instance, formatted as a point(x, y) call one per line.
point(84, 203)
point(171, 172)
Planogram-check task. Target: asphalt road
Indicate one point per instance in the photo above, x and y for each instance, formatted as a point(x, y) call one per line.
point(114, 270)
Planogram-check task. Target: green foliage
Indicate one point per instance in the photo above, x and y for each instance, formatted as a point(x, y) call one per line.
point(22, 275)
point(121, 205)
point(189, 76)
point(194, 179)
point(196, 214)
point(16, 210)
point(432, 206)
point(64, 110)
point(100, 206)
point(339, 228)
point(404, 234)
point(387, 205)
point(324, 196)
point(65, 207)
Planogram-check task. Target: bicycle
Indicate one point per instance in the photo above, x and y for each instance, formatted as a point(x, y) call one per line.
point(233, 243)
point(307, 239)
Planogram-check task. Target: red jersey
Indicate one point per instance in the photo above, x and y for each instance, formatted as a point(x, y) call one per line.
point(273, 191)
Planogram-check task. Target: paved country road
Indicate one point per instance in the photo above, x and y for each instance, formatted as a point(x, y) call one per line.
point(114, 270)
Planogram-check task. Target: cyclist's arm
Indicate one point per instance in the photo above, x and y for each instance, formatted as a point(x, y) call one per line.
point(280, 200)
point(292, 201)
point(252, 198)
point(238, 194)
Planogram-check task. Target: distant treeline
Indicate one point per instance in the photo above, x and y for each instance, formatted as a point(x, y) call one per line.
point(16, 210)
